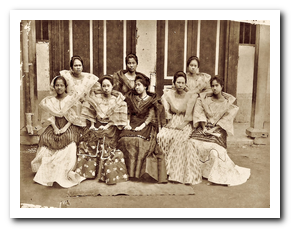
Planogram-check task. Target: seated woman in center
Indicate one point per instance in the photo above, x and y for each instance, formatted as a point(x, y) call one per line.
point(110, 117)
point(138, 139)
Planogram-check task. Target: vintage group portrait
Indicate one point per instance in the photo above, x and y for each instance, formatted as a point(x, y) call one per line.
point(146, 113)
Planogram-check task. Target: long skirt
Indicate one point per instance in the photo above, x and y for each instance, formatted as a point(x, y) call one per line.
point(111, 165)
point(217, 166)
point(170, 134)
point(56, 166)
point(136, 151)
point(183, 164)
point(215, 163)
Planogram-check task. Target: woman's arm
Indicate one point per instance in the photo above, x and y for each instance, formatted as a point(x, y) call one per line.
point(53, 124)
point(150, 118)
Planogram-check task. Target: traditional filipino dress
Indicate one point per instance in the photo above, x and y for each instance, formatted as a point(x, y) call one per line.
point(138, 145)
point(83, 86)
point(215, 163)
point(194, 86)
point(114, 111)
point(185, 162)
point(121, 83)
point(56, 154)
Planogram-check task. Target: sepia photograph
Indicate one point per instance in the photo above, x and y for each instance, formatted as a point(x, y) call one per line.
point(156, 111)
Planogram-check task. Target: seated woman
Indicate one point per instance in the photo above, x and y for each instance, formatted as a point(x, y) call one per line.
point(56, 154)
point(138, 139)
point(123, 80)
point(213, 118)
point(175, 102)
point(110, 117)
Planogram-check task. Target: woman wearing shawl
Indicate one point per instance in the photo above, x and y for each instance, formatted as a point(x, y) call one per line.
point(213, 118)
point(123, 80)
point(81, 82)
point(56, 154)
point(197, 82)
point(110, 116)
point(175, 102)
point(138, 139)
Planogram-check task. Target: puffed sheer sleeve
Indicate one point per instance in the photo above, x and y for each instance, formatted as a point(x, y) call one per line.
point(119, 117)
point(206, 86)
point(199, 113)
point(226, 122)
point(116, 82)
point(151, 116)
point(168, 114)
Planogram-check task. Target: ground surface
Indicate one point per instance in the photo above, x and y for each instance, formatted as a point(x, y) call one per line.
point(255, 193)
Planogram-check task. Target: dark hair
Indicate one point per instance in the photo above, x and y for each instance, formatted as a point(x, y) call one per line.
point(60, 78)
point(179, 74)
point(143, 79)
point(131, 55)
point(75, 58)
point(218, 80)
point(106, 77)
point(193, 58)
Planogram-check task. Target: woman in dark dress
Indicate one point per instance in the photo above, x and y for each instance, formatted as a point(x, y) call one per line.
point(138, 139)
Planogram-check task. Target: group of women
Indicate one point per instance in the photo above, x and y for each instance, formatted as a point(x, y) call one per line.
point(184, 132)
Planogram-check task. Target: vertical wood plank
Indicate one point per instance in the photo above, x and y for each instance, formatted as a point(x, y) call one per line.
point(160, 56)
point(98, 48)
point(207, 46)
point(66, 45)
point(176, 33)
point(81, 41)
point(114, 46)
point(32, 71)
point(130, 37)
point(233, 44)
point(222, 43)
point(192, 38)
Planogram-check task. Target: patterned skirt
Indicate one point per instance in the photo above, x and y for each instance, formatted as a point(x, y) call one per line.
point(169, 134)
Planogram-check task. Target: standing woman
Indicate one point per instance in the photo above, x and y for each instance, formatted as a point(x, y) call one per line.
point(175, 103)
point(56, 154)
point(123, 80)
point(138, 139)
point(197, 82)
point(80, 82)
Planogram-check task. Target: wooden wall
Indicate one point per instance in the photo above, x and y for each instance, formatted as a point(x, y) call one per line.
point(101, 44)
point(214, 42)
point(104, 44)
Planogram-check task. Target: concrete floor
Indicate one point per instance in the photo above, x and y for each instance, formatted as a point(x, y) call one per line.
point(255, 193)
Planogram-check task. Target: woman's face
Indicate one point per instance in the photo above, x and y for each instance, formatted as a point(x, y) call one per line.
point(180, 83)
point(60, 86)
point(77, 66)
point(139, 87)
point(216, 87)
point(107, 87)
point(193, 67)
point(131, 65)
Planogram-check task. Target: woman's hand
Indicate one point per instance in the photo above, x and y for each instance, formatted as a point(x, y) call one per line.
point(63, 130)
point(56, 131)
point(127, 127)
point(139, 128)
point(181, 126)
point(93, 128)
point(103, 127)
point(204, 130)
